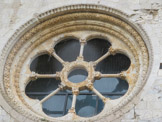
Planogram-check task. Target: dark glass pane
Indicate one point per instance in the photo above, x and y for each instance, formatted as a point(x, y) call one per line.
point(99, 105)
point(113, 97)
point(95, 48)
point(78, 75)
point(45, 64)
point(114, 64)
point(43, 86)
point(54, 106)
point(85, 91)
point(111, 87)
point(160, 65)
point(69, 103)
point(88, 105)
point(68, 49)
point(36, 95)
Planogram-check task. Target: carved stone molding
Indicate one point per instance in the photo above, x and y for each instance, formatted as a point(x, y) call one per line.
point(32, 38)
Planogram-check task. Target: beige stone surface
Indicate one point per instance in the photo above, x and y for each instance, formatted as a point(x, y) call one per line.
point(148, 13)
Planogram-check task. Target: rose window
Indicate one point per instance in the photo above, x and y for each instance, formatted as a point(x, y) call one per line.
point(78, 62)
point(78, 76)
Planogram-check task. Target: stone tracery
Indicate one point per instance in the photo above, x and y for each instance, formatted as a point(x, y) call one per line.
point(61, 25)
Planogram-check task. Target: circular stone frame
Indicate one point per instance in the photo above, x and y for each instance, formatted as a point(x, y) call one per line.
point(71, 66)
point(61, 21)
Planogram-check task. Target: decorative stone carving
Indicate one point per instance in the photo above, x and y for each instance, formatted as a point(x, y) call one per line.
point(19, 51)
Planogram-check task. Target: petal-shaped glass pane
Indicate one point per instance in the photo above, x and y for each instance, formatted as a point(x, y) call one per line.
point(95, 48)
point(99, 105)
point(54, 106)
point(68, 49)
point(45, 64)
point(87, 104)
point(114, 64)
point(111, 87)
point(41, 87)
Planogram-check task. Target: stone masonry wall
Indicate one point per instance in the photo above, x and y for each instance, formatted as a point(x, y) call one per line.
point(148, 13)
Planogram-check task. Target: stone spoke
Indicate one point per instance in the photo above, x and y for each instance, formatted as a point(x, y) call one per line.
point(121, 75)
point(58, 58)
point(53, 53)
point(61, 87)
point(50, 95)
point(99, 75)
point(81, 50)
point(74, 101)
point(75, 93)
point(91, 87)
point(110, 75)
point(35, 76)
point(111, 51)
point(82, 44)
point(99, 95)
point(102, 58)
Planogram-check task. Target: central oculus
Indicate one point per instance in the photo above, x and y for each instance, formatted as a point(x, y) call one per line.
point(77, 75)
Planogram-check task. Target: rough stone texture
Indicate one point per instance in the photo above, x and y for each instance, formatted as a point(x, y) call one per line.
point(4, 116)
point(150, 106)
point(148, 13)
